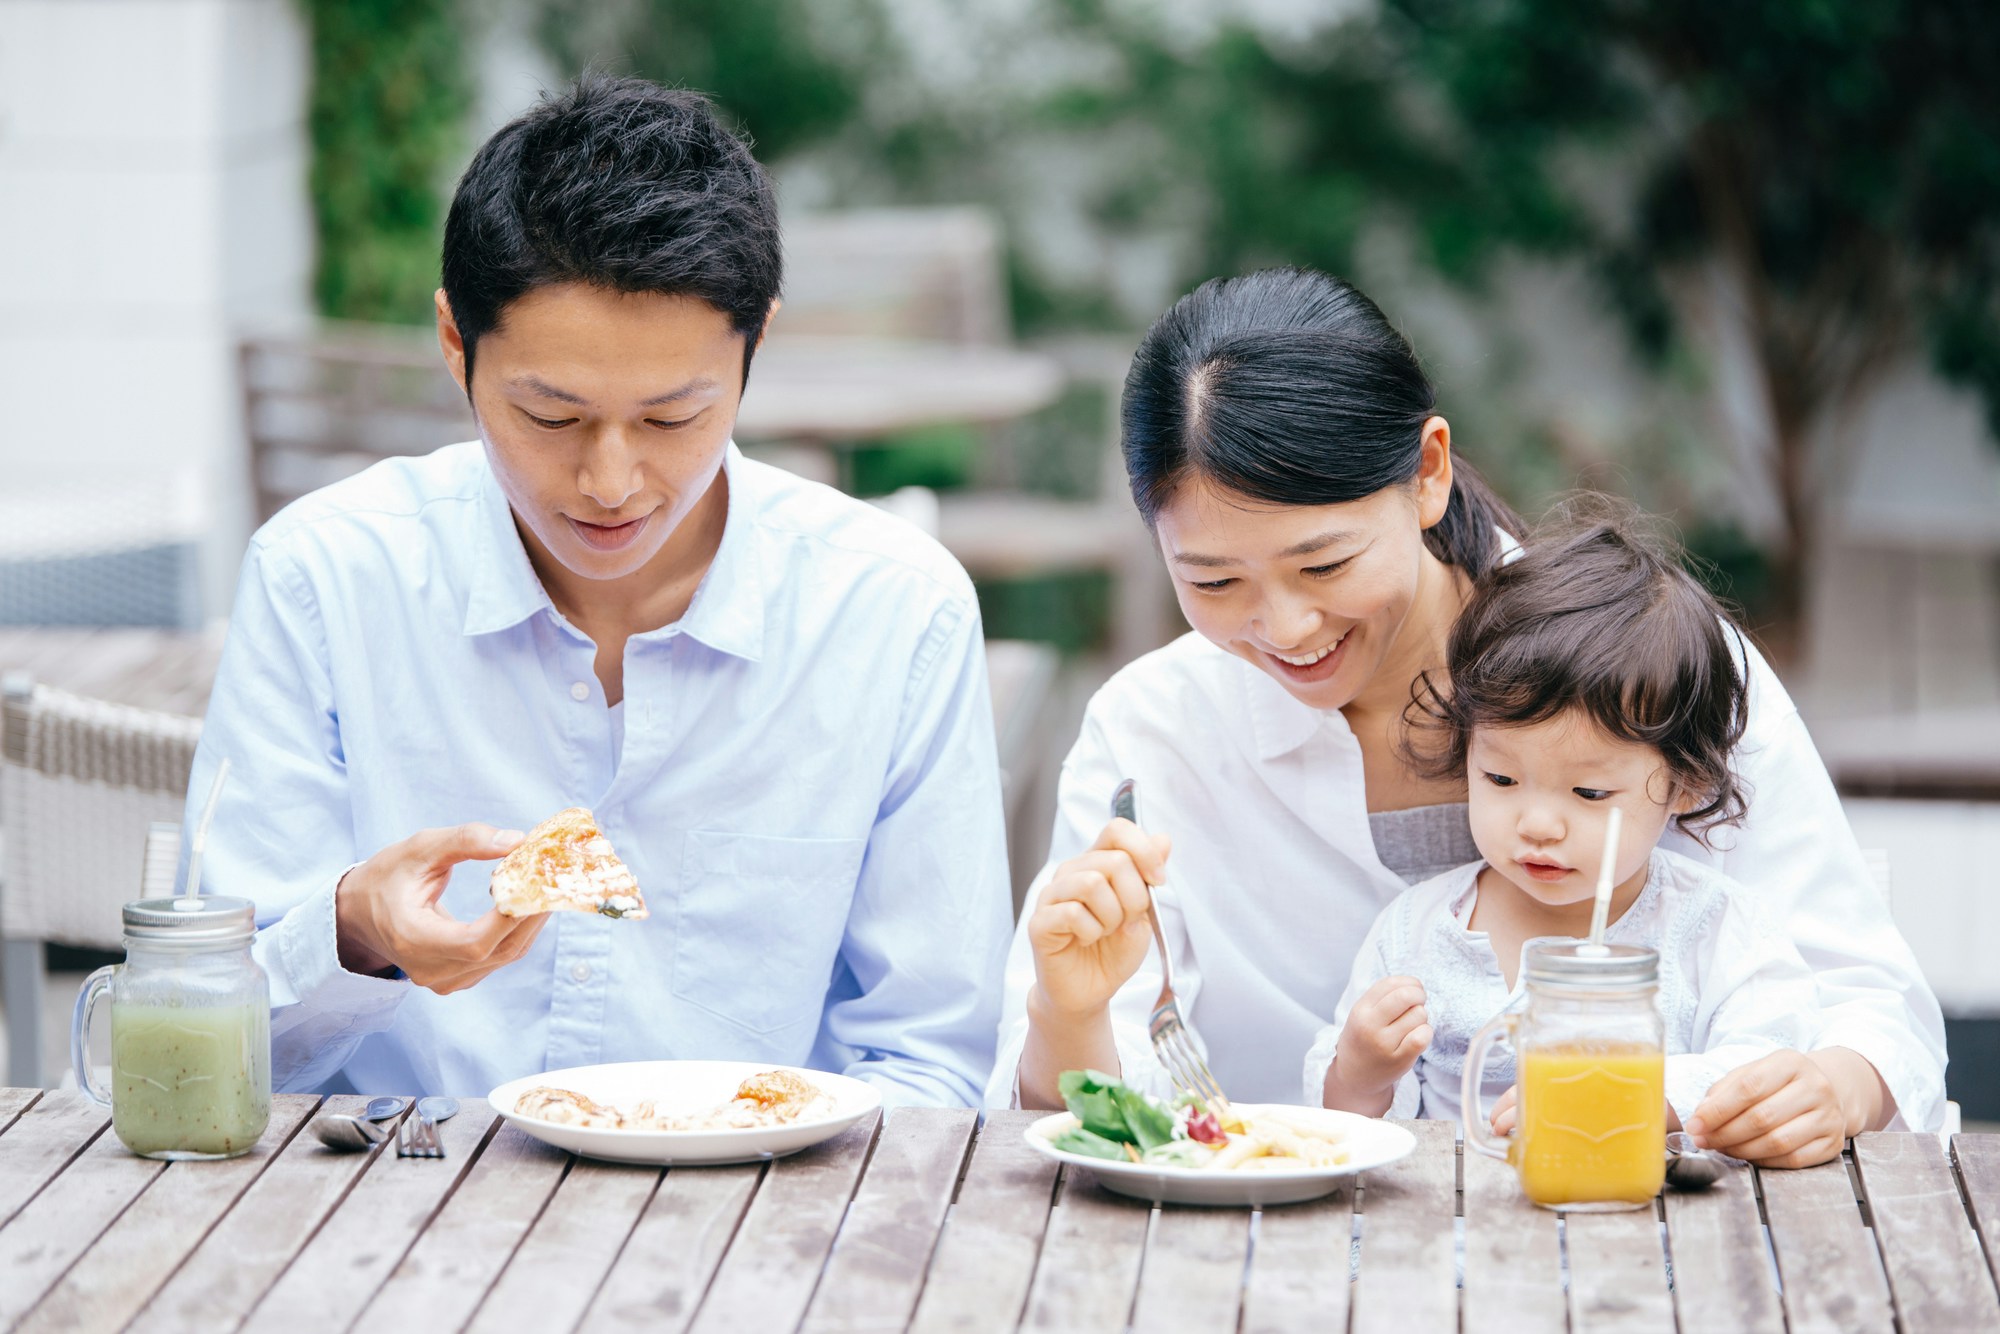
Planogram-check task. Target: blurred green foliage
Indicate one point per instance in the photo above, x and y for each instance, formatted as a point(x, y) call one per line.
point(390, 96)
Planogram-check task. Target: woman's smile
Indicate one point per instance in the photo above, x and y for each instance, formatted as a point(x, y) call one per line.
point(1312, 666)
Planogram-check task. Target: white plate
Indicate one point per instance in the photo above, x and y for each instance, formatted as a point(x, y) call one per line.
point(679, 1087)
point(1370, 1144)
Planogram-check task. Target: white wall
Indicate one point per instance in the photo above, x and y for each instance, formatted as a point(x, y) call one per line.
point(1944, 865)
point(152, 208)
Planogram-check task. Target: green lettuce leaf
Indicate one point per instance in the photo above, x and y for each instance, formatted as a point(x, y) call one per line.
point(1091, 1145)
point(1114, 1111)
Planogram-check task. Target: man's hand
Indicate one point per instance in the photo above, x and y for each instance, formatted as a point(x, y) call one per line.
point(1780, 1110)
point(1091, 929)
point(1386, 1031)
point(387, 915)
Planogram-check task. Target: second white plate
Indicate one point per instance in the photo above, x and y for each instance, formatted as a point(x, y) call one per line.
point(1370, 1144)
point(683, 1086)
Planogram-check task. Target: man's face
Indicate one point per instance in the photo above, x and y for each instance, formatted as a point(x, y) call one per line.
point(605, 415)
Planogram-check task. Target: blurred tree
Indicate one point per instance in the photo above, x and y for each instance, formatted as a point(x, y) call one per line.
point(758, 58)
point(390, 95)
point(1835, 162)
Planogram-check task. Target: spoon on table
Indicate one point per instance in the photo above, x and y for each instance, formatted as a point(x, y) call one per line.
point(353, 1133)
point(1691, 1168)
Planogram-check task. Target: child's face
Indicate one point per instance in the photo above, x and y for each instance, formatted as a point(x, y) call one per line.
point(1540, 796)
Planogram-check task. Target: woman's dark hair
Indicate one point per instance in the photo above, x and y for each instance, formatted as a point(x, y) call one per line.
point(1598, 615)
point(621, 184)
point(1292, 388)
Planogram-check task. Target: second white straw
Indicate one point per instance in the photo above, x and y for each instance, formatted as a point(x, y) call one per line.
point(1600, 911)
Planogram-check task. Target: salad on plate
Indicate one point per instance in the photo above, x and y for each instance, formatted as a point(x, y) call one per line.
point(1118, 1123)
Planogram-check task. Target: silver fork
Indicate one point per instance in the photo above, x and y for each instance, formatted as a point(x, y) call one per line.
point(1173, 1040)
point(418, 1136)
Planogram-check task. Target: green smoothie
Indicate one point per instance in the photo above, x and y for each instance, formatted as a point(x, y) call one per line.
point(190, 1081)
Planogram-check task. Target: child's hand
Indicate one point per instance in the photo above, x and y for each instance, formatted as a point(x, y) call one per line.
point(1778, 1111)
point(1506, 1112)
point(1386, 1031)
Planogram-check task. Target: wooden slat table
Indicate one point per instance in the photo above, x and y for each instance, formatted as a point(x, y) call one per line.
point(935, 1221)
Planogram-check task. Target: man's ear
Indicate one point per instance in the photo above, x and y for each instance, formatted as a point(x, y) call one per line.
point(1433, 479)
point(765, 331)
point(451, 342)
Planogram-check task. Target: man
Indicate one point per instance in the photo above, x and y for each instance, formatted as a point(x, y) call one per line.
point(773, 697)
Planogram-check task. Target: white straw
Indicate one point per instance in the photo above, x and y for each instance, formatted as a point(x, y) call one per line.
point(1601, 909)
point(191, 895)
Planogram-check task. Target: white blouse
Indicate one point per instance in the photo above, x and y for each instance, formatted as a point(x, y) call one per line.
point(1274, 879)
point(1732, 986)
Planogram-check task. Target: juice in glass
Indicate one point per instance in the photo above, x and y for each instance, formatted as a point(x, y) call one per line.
point(1593, 1123)
point(190, 1080)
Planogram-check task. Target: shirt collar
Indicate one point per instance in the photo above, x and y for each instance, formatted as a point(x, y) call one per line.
point(726, 614)
point(503, 589)
point(1280, 723)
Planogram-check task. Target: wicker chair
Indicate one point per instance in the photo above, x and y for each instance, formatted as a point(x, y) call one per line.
point(81, 785)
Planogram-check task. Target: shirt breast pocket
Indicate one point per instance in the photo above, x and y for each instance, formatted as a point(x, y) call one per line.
point(759, 924)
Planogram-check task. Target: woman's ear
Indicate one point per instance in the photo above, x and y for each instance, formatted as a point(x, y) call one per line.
point(1433, 479)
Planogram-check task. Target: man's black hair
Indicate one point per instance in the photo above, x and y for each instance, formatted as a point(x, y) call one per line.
point(621, 184)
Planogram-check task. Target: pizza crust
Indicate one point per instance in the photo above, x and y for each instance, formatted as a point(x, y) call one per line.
point(566, 864)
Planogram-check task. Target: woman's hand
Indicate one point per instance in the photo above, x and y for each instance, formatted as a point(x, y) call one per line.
point(1091, 929)
point(1781, 1110)
point(386, 912)
point(1386, 1031)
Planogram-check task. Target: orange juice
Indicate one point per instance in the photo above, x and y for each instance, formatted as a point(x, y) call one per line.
point(1593, 1124)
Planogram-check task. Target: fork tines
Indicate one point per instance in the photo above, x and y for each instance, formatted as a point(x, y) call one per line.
point(1182, 1058)
point(417, 1137)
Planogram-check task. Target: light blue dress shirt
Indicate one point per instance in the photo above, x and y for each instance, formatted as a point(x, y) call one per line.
point(802, 777)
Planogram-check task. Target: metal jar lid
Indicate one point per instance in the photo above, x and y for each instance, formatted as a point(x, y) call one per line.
point(1577, 965)
point(205, 919)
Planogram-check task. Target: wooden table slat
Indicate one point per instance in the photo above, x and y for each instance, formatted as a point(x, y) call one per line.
point(1827, 1261)
point(1617, 1273)
point(13, 1102)
point(879, 1259)
point(1978, 1158)
point(60, 1223)
point(660, 1277)
point(986, 1257)
point(1299, 1266)
point(1937, 1275)
point(1091, 1255)
point(41, 1143)
point(1192, 1277)
point(1513, 1255)
point(444, 1276)
point(769, 1273)
point(1722, 1274)
point(243, 1255)
point(1407, 1283)
point(331, 1279)
point(136, 1254)
point(557, 1269)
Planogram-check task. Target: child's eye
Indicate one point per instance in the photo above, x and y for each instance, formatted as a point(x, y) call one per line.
point(1212, 586)
point(1591, 793)
point(1500, 780)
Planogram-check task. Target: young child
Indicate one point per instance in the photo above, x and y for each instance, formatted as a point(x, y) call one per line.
point(1590, 673)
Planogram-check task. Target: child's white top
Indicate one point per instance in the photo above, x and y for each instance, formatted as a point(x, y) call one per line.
point(1732, 986)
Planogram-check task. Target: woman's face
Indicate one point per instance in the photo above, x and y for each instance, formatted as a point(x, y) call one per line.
point(1313, 595)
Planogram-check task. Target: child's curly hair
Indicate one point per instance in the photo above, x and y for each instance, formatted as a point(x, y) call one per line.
point(1596, 614)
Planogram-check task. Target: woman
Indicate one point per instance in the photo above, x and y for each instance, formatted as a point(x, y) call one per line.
point(1283, 445)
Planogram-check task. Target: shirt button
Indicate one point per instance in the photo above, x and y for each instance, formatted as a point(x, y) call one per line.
point(579, 692)
point(581, 972)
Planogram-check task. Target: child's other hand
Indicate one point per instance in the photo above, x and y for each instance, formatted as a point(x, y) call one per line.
point(1506, 1112)
point(1778, 1111)
point(1386, 1031)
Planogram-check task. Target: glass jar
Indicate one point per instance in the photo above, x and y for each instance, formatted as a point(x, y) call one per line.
point(1591, 1130)
point(190, 1030)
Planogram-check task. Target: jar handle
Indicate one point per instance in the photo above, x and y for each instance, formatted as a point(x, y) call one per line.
point(94, 988)
point(1477, 1134)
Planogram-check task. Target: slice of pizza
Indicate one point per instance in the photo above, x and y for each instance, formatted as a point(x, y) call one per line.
point(566, 865)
